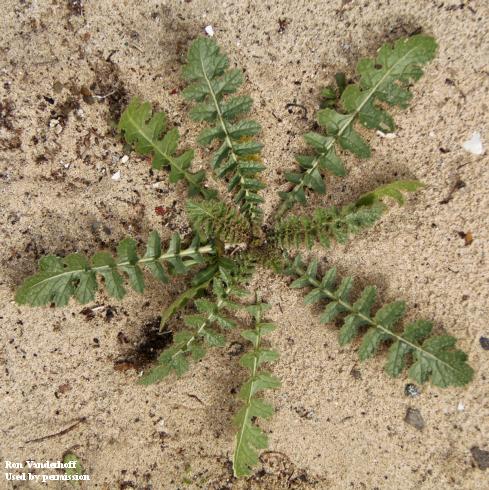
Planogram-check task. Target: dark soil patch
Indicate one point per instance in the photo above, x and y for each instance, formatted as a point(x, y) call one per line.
point(152, 342)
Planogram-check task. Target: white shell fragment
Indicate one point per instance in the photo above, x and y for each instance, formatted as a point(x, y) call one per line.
point(474, 144)
point(386, 135)
point(209, 31)
point(116, 176)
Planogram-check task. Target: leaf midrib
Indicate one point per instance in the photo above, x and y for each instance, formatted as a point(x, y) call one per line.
point(102, 268)
point(347, 123)
point(371, 322)
point(225, 130)
point(239, 439)
point(173, 162)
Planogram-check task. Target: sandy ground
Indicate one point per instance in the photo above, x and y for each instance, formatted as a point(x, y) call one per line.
point(339, 424)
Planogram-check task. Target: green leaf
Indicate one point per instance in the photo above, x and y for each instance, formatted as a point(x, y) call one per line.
point(393, 190)
point(317, 141)
point(181, 300)
point(75, 471)
point(390, 314)
point(413, 333)
point(106, 266)
point(243, 129)
point(438, 358)
point(213, 338)
point(370, 343)
point(145, 131)
point(386, 79)
point(250, 438)
point(339, 126)
point(434, 356)
point(215, 219)
point(350, 327)
point(155, 374)
point(127, 252)
point(191, 344)
point(204, 60)
point(330, 161)
point(327, 224)
point(236, 158)
point(236, 106)
point(152, 256)
point(60, 279)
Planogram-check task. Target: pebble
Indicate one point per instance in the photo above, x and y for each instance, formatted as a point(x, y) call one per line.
point(209, 31)
point(484, 342)
point(116, 176)
point(413, 417)
point(411, 390)
point(461, 406)
point(125, 159)
point(481, 457)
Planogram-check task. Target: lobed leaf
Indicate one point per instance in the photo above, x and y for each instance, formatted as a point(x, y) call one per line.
point(385, 78)
point(215, 219)
point(237, 157)
point(59, 279)
point(145, 131)
point(327, 224)
point(434, 356)
point(250, 438)
point(192, 343)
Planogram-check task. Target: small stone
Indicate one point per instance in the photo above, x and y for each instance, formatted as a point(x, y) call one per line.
point(461, 406)
point(116, 176)
point(484, 342)
point(356, 373)
point(209, 30)
point(411, 390)
point(304, 413)
point(125, 159)
point(57, 87)
point(481, 457)
point(413, 417)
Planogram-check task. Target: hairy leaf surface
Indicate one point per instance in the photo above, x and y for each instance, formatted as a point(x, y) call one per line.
point(237, 156)
point(59, 279)
point(386, 79)
point(191, 343)
point(250, 438)
point(435, 356)
point(215, 219)
point(326, 224)
point(145, 130)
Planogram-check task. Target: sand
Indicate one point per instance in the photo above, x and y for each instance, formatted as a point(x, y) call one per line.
point(339, 424)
